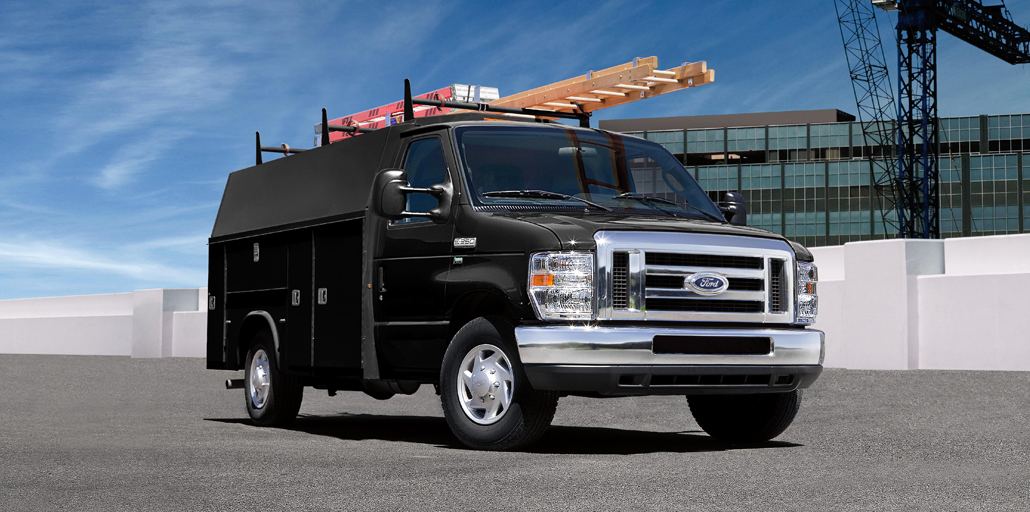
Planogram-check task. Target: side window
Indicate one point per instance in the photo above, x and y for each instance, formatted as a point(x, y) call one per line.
point(426, 167)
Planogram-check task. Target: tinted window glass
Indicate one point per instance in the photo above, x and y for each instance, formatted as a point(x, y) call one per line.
point(426, 167)
point(595, 166)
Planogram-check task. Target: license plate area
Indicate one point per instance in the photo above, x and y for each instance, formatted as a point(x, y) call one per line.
point(712, 345)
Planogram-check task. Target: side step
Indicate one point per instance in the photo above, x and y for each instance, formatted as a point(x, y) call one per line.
point(234, 384)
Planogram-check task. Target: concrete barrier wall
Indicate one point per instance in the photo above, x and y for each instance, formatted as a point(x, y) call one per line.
point(959, 303)
point(144, 323)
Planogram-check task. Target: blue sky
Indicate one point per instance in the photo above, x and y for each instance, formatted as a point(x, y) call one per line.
point(119, 122)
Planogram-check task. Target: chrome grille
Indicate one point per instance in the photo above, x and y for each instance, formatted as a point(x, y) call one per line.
point(645, 276)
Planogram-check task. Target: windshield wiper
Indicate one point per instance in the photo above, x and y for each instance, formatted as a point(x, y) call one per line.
point(648, 199)
point(542, 194)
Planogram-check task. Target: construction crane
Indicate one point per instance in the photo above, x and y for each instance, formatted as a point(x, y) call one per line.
point(912, 184)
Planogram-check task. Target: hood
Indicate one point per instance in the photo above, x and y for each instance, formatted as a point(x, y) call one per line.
point(575, 230)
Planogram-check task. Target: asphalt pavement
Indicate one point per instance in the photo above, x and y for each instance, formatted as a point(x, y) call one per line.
point(114, 433)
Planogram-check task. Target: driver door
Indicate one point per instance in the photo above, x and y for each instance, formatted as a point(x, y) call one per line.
point(412, 270)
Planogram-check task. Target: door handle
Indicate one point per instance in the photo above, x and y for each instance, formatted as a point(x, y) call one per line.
point(382, 280)
point(323, 296)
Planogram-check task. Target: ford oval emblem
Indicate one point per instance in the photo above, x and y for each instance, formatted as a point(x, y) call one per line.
point(707, 283)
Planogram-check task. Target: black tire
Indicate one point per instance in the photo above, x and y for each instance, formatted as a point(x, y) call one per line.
point(745, 418)
point(530, 411)
point(285, 392)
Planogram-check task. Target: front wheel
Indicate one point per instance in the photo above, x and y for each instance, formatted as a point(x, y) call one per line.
point(486, 398)
point(745, 418)
point(273, 399)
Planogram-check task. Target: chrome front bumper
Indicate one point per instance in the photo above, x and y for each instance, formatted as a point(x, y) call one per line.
point(621, 361)
point(564, 344)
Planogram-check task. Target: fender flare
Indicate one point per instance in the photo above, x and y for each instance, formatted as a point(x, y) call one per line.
point(271, 327)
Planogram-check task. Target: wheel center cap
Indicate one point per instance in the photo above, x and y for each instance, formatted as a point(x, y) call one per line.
point(481, 383)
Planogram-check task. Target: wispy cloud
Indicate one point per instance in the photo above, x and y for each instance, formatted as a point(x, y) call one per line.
point(192, 244)
point(134, 158)
point(32, 254)
point(175, 68)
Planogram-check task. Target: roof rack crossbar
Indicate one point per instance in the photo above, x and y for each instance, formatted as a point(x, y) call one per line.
point(583, 117)
point(284, 149)
point(325, 128)
point(349, 129)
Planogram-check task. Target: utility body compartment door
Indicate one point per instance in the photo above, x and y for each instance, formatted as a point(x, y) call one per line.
point(337, 298)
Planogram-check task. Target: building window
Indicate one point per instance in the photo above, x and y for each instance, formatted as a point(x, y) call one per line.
point(992, 195)
point(1008, 133)
point(804, 203)
point(1026, 193)
point(706, 141)
point(830, 141)
point(866, 141)
point(761, 187)
point(745, 139)
point(717, 179)
point(848, 202)
point(959, 135)
point(803, 175)
point(788, 143)
point(670, 140)
point(950, 192)
point(830, 135)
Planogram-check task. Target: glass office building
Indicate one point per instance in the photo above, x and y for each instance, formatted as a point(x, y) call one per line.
point(808, 174)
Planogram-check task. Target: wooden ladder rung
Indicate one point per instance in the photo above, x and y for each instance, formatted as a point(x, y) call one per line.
point(581, 98)
point(658, 79)
point(633, 87)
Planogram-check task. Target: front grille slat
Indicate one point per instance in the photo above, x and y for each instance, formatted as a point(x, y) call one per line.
point(740, 284)
point(777, 291)
point(737, 284)
point(704, 260)
point(705, 305)
point(620, 280)
point(654, 281)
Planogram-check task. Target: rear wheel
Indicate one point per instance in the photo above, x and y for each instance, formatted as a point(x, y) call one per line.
point(745, 418)
point(273, 399)
point(486, 398)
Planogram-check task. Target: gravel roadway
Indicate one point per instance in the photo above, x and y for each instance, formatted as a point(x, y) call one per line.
point(114, 433)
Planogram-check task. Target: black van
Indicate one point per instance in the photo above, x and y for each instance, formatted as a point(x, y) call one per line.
point(507, 263)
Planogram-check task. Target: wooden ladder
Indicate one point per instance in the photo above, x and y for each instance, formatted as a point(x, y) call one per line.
point(616, 85)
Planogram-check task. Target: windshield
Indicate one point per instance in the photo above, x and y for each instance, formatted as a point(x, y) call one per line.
point(548, 167)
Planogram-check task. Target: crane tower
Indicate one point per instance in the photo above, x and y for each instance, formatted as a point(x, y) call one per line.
point(911, 186)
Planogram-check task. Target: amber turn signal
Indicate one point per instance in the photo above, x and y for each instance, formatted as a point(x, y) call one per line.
point(543, 280)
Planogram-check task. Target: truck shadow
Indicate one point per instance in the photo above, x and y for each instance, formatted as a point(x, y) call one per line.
point(559, 439)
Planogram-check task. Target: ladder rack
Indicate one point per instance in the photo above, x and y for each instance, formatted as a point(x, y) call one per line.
point(575, 98)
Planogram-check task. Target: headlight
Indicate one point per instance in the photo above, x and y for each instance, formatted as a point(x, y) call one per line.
point(808, 300)
point(561, 285)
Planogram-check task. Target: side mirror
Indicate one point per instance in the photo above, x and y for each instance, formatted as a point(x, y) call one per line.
point(734, 208)
point(390, 197)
